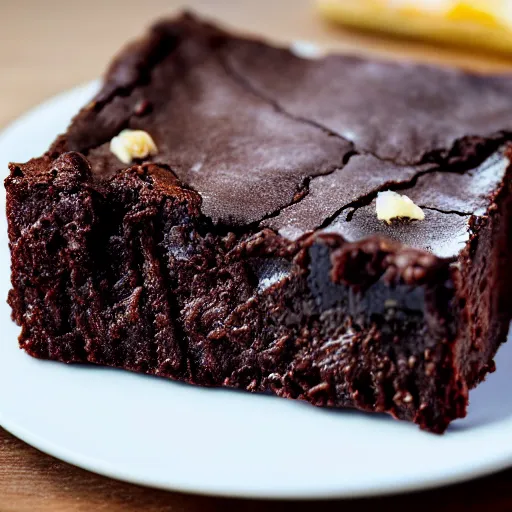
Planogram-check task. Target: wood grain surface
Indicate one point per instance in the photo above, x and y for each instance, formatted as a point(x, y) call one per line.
point(47, 46)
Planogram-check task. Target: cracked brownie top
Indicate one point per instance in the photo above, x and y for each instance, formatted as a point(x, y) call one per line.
point(269, 139)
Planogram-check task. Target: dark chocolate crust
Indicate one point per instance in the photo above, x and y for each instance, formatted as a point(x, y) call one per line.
point(247, 253)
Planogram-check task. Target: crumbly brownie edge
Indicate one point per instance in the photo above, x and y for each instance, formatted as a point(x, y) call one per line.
point(129, 275)
point(483, 281)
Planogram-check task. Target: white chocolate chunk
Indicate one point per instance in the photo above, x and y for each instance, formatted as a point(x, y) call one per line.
point(132, 144)
point(391, 205)
point(307, 50)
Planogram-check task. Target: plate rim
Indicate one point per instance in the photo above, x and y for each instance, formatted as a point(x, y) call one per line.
point(83, 462)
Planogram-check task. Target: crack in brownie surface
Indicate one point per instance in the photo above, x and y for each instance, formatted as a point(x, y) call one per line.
point(216, 136)
point(225, 138)
point(400, 112)
point(246, 253)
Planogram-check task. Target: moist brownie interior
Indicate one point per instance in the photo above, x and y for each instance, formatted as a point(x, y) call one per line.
point(247, 253)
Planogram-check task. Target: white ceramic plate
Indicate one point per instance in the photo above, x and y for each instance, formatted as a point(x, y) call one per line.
point(163, 434)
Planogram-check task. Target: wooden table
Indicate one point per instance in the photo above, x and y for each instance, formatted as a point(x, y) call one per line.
point(49, 46)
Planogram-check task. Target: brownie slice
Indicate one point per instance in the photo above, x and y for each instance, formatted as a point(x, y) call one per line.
point(246, 252)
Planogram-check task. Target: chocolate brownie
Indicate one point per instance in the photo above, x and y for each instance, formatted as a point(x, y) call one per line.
point(243, 248)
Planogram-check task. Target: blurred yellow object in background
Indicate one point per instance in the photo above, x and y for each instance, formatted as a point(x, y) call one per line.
point(478, 23)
